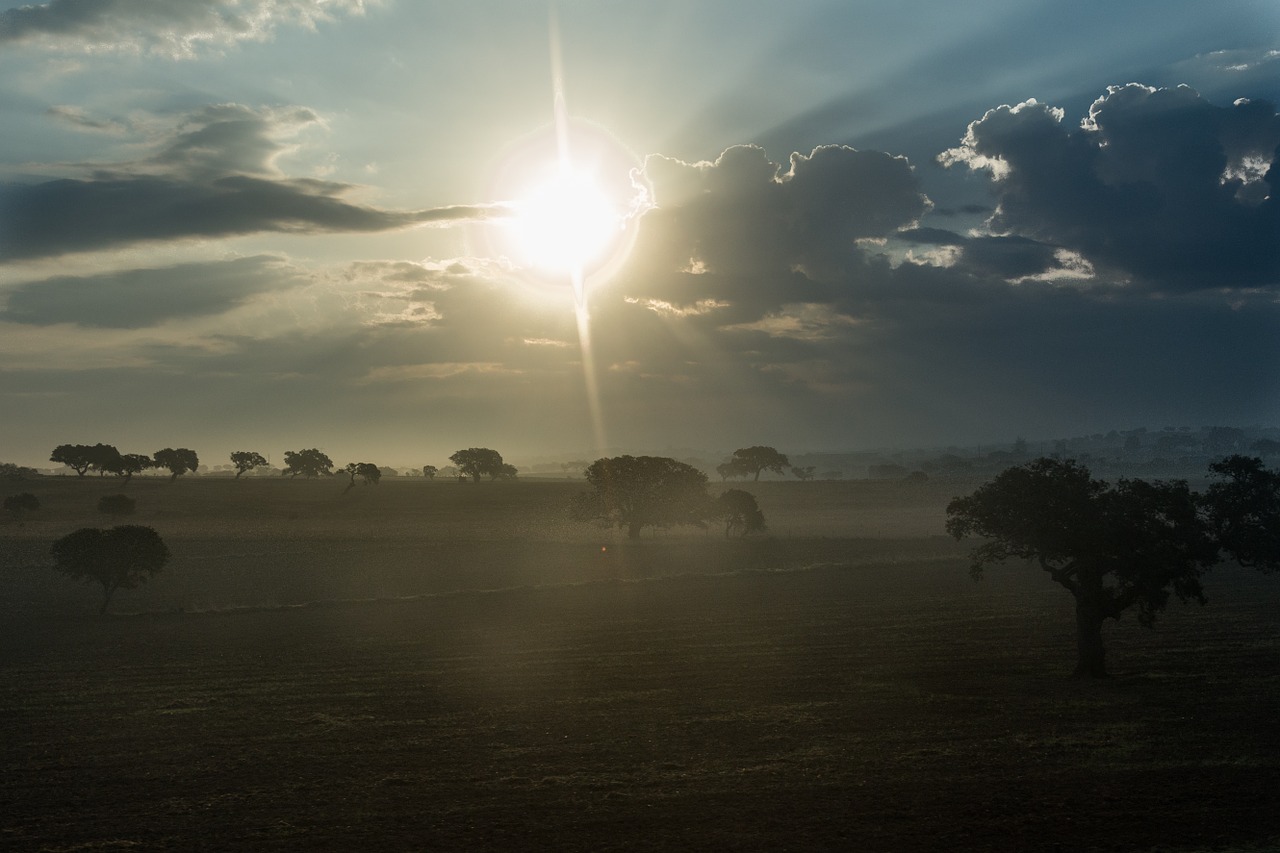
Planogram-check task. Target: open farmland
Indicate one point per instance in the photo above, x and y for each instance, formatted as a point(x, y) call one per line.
point(443, 666)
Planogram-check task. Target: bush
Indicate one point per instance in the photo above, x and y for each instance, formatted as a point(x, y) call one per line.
point(18, 504)
point(116, 505)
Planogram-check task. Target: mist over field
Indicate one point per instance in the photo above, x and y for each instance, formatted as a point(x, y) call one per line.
point(732, 425)
point(445, 664)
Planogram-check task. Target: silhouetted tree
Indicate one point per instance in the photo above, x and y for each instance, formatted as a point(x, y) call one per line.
point(732, 469)
point(309, 463)
point(753, 460)
point(178, 461)
point(1111, 547)
point(805, 473)
point(247, 460)
point(116, 505)
point(127, 464)
point(757, 459)
point(430, 471)
point(18, 504)
point(740, 512)
point(506, 472)
point(118, 558)
point(367, 471)
point(477, 462)
point(1244, 511)
point(105, 459)
point(78, 457)
point(638, 491)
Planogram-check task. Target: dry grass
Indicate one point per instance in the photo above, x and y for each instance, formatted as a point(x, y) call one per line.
point(670, 694)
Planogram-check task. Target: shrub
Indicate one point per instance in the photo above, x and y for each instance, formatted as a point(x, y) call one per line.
point(116, 505)
point(18, 504)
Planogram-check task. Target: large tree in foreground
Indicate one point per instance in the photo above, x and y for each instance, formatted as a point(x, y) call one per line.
point(1243, 508)
point(477, 462)
point(117, 558)
point(1124, 546)
point(634, 492)
point(753, 460)
point(1113, 548)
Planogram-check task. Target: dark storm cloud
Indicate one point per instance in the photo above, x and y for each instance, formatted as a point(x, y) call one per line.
point(135, 299)
point(743, 213)
point(1155, 184)
point(214, 176)
point(173, 27)
point(744, 231)
point(1006, 257)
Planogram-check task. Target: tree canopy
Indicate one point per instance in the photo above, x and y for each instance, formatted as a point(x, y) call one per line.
point(740, 512)
point(430, 471)
point(117, 558)
point(638, 491)
point(177, 460)
point(309, 463)
point(81, 457)
point(477, 462)
point(128, 464)
point(753, 460)
point(1116, 547)
point(367, 471)
point(247, 460)
point(1244, 511)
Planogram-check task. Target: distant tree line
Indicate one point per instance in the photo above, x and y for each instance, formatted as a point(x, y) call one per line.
point(106, 459)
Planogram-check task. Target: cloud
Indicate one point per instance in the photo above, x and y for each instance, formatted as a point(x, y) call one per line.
point(176, 28)
point(743, 214)
point(215, 174)
point(1155, 185)
point(134, 299)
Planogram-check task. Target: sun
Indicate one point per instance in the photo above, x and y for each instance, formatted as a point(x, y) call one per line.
point(565, 224)
point(572, 198)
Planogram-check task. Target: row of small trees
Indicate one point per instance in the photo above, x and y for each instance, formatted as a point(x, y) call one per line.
point(472, 462)
point(106, 459)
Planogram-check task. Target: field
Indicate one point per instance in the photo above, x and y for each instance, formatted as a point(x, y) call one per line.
point(443, 666)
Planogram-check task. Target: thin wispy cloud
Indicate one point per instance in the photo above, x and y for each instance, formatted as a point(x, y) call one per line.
point(173, 28)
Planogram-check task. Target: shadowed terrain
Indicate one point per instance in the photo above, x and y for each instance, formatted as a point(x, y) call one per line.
point(840, 684)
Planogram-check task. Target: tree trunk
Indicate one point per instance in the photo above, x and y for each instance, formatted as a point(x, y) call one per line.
point(239, 472)
point(107, 591)
point(757, 479)
point(1090, 654)
point(633, 530)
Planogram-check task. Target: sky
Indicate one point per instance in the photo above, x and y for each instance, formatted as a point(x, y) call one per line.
point(393, 229)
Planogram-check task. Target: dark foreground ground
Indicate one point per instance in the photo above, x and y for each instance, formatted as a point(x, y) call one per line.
point(672, 694)
point(872, 708)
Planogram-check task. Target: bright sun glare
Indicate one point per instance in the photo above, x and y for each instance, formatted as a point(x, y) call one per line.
point(566, 224)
